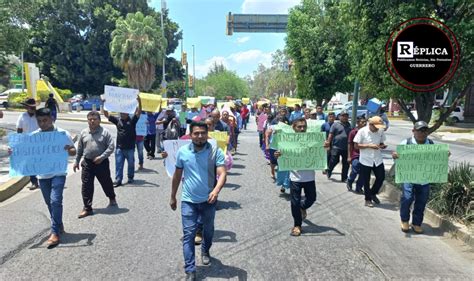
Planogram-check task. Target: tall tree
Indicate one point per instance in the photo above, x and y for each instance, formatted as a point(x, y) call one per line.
point(137, 47)
point(221, 82)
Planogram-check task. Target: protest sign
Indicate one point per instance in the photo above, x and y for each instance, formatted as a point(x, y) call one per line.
point(171, 147)
point(182, 117)
point(290, 102)
point(38, 154)
point(282, 100)
point(245, 101)
point(118, 99)
point(164, 103)
point(141, 127)
point(193, 103)
point(150, 102)
point(301, 151)
point(422, 163)
point(314, 125)
point(222, 139)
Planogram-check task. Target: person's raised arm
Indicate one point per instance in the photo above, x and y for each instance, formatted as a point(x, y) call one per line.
point(138, 111)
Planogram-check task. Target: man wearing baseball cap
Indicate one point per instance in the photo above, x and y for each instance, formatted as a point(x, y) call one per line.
point(370, 141)
point(418, 193)
point(27, 123)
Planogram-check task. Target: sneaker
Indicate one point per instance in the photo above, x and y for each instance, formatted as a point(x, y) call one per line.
point(368, 203)
point(33, 187)
point(375, 199)
point(282, 190)
point(112, 203)
point(130, 181)
point(296, 231)
point(206, 259)
point(349, 186)
point(198, 238)
point(417, 229)
point(405, 227)
point(303, 214)
point(117, 183)
point(191, 276)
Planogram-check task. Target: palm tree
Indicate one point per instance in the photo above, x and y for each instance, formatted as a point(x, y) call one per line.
point(137, 47)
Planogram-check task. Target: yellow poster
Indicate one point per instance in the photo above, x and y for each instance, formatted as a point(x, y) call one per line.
point(164, 103)
point(245, 101)
point(290, 102)
point(282, 100)
point(193, 103)
point(150, 102)
point(222, 139)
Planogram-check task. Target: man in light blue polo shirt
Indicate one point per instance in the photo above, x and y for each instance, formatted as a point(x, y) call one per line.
point(204, 177)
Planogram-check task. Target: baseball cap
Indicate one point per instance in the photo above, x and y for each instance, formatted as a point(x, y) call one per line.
point(170, 108)
point(377, 122)
point(313, 111)
point(344, 112)
point(420, 125)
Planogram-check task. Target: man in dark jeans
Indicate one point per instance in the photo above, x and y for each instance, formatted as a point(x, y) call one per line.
point(337, 141)
point(370, 141)
point(125, 148)
point(150, 137)
point(300, 180)
point(326, 127)
point(96, 144)
point(353, 158)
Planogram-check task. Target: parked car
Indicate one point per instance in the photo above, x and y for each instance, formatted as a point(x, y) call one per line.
point(457, 115)
point(76, 98)
point(86, 104)
point(4, 96)
point(361, 111)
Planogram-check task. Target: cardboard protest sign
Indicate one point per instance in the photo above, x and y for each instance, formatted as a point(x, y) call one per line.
point(290, 102)
point(164, 103)
point(421, 164)
point(182, 117)
point(280, 127)
point(314, 125)
point(245, 101)
point(193, 103)
point(141, 127)
point(150, 102)
point(282, 100)
point(171, 147)
point(222, 139)
point(38, 153)
point(301, 151)
point(118, 99)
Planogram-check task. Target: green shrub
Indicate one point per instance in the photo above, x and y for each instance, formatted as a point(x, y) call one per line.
point(456, 197)
point(14, 99)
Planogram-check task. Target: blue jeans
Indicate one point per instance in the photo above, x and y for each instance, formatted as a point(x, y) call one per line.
point(191, 213)
point(297, 203)
point(52, 190)
point(355, 170)
point(418, 193)
point(139, 145)
point(120, 156)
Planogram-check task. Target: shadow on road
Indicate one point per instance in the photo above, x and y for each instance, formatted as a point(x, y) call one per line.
point(144, 183)
point(223, 205)
point(221, 271)
point(224, 236)
point(146, 171)
point(233, 174)
point(238, 166)
point(388, 206)
point(68, 240)
point(232, 185)
point(111, 211)
point(318, 230)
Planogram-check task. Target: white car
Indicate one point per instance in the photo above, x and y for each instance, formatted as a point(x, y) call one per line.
point(4, 96)
point(457, 115)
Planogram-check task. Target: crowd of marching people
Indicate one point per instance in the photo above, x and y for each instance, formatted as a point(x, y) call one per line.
point(202, 167)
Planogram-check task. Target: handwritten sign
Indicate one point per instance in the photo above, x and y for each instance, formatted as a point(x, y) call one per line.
point(222, 139)
point(422, 163)
point(245, 101)
point(182, 117)
point(193, 103)
point(171, 147)
point(291, 102)
point(150, 102)
point(118, 99)
point(282, 100)
point(38, 153)
point(164, 102)
point(141, 127)
point(301, 151)
point(314, 125)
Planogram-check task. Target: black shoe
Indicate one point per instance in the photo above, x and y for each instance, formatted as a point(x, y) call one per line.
point(191, 276)
point(343, 180)
point(117, 183)
point(375, 199)
point(206, 259)
point(349, 186)
point(130, 181)
point(329, 174)
point(359, 191)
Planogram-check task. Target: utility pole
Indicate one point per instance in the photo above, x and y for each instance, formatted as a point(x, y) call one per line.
point(22, 73)
point(355, 103)
point(163, 80)
point(194, 72)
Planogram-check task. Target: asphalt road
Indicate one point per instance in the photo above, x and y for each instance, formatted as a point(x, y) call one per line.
point(141, 239)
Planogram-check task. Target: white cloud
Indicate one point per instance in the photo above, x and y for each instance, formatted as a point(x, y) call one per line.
point(268, 6)
point(242, 40)
point(236, 61)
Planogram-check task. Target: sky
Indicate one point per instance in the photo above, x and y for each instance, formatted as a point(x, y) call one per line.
point(203, 23)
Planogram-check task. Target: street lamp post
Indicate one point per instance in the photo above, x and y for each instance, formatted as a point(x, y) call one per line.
point(163, 80)
point(194, 73)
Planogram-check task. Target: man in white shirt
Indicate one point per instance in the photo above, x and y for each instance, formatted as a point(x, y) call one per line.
point(27, 123)
point(370, 141)
point(300, 180)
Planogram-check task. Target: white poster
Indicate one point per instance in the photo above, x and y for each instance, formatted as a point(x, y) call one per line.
point(171, 147)
point(141, 127)
point(118, 99)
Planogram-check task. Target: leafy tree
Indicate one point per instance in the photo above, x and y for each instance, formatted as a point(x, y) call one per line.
point(317, 44)
point(137, 47)
point(221, 82)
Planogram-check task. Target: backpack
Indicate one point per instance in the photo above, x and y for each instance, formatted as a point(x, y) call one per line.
point(172, 131)
point(410, 142)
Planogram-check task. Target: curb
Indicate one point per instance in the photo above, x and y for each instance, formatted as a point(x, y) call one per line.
point(456, 230)
point(81, 120)
point(459, 140)
point(12, 186)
